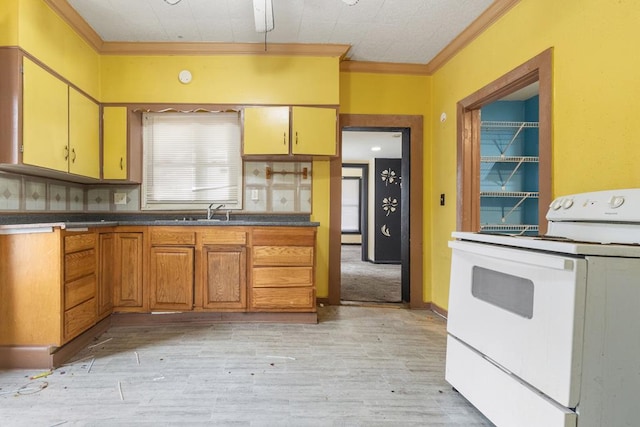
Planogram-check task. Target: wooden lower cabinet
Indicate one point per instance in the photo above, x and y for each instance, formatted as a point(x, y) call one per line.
point(283, 269)
point(121, 265)
point(171, 278)
point(47, 287)
point(56, 284)
point(224, 277)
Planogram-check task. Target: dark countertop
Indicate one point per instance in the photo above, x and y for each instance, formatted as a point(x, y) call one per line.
point(58, 220)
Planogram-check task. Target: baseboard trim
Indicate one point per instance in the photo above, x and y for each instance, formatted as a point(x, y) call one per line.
point(26, 357)
point(45, 356)
point(439, 311)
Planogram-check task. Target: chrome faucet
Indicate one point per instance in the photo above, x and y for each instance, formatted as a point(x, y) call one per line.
point(212, 212)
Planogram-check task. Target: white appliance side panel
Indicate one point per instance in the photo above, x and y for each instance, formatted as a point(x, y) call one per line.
point(501, 397)
point(611, 362)
point(544, 350)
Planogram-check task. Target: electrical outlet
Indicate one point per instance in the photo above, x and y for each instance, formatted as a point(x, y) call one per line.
point(119, 198)
point(254, 194)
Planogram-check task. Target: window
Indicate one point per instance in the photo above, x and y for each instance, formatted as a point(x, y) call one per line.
point(351, 194)
point(191, 160)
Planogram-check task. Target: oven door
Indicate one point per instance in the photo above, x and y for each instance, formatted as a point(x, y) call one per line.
point(523, 310)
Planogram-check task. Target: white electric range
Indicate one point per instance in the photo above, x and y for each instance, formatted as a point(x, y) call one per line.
point(545, 330)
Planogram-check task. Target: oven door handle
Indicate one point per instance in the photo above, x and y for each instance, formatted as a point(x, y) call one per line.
point(556, 262)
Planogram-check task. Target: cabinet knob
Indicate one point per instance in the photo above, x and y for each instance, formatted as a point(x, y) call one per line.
point(73, 155)
point(296, 137)
point(284, 138)
point(121, 163)
point(66, 152)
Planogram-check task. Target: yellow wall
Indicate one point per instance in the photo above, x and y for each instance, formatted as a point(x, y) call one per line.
point(225, 79)
point(43, 34)
point(9, 23)
point(595, 82)
point(368, 93)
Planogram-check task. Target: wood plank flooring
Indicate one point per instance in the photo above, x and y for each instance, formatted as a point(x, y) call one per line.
point(359, 366)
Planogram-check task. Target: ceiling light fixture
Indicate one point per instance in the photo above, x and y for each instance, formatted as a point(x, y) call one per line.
point(263, 15)
point(350, 2)
point(172, 2)
point(376, 148)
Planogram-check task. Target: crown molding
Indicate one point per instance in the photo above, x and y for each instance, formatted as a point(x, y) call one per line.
point(73, 18)
point(383, 68)
point(204, 48)
point(494, 12)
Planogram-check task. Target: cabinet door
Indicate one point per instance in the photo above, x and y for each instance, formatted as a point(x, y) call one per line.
point(171, 278)
point(266, 130)
point(114, 143)
point(225, 275)
point(314, 131)
point(107, 274)
point(84, 135)
point(127, 284)
point(45, 132)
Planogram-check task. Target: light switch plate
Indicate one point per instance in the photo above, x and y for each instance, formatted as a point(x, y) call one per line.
point(254, 194)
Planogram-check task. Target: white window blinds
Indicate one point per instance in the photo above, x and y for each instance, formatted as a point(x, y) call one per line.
point(192, 160)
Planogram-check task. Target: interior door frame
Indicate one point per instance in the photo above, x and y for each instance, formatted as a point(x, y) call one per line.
point(537, 69)
point(415, 126)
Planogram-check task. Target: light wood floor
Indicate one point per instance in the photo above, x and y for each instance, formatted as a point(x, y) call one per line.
point(360, 366)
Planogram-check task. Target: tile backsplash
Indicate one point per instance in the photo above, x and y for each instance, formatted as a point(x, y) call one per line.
point(286, 191)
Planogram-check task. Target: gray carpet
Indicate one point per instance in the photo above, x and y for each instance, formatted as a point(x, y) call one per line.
point(368, 282)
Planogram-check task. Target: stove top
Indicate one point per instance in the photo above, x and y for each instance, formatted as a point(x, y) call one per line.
point(549, 238)
point(603, 223)
point(561, 245)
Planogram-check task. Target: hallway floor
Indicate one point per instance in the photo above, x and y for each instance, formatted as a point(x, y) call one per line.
point(366, 281)
point(360, 366)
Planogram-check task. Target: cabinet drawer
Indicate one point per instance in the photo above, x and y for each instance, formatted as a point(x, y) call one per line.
point(79, 264)
point(283, 298)
point(79, 242)
point(79, 290)
point(282, 277)
point(169, 237)
point(282, 255)
point(284, 236)
point(224, 237)
point(79, 318)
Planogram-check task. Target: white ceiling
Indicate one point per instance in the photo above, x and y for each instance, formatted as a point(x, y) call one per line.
point(398, 31)
point(356, 145)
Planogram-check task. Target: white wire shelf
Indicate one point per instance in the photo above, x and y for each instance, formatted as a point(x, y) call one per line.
point(504, 124)
point(509, 159)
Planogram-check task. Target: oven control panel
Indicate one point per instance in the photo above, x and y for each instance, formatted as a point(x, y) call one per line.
point(600, 206)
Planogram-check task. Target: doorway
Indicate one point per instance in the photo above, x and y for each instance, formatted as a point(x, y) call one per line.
point(375, 215)
point(413, 126)
point(536, 71)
